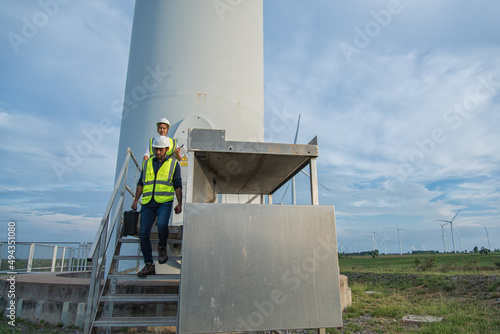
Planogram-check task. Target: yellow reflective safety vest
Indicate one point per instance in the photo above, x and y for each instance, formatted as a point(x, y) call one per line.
point(172, 145)
point(160, 185)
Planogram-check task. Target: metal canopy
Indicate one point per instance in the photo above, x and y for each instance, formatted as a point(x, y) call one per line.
point(248, 167)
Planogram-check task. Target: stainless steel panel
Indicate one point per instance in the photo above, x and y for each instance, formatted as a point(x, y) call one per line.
point(258, 267)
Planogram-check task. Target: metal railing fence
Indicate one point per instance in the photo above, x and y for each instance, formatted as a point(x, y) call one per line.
point(46, 256)
point(109, 228)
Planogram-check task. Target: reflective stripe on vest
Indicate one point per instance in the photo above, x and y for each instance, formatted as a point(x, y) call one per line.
point(161, 183)
point(172, 145)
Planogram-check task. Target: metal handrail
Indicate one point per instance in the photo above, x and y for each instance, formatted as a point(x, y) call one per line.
point(102, 240)
point(71, 257)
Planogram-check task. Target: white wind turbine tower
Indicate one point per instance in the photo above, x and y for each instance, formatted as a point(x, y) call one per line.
point(373, 241)
point(384, 241)
point(293, 178)
point(451, 226)
point(399, 237)
point(294, 201)
point(488, 237)
point(444, 238)
point(461, 243)
point(447, 243)
point(460, 237)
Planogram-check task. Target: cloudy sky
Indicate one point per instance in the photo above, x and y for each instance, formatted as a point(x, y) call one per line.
point(403, 96)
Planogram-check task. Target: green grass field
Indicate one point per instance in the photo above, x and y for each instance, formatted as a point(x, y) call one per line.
point(460, 262)
point(463, 289)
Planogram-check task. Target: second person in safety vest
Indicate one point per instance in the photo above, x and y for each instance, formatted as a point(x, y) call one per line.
point(162, 127)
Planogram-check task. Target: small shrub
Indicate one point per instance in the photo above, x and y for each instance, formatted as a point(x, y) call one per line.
point(428, 264)
point(447, 267)
point(471, 264)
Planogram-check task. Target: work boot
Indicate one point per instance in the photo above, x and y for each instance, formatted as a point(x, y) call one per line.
point(162, 254)
point(149, 269)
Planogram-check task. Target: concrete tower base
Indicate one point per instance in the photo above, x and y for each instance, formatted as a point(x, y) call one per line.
point(62, 297)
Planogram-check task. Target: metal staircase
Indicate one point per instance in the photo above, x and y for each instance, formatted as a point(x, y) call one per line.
point(131, 301)
point(118, 298)
point(247, 244)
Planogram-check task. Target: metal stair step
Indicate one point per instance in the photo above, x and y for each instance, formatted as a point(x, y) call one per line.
point(135, 321)
point(139, 257)
point(140, 298)
point(136, 241)
point(134, 277)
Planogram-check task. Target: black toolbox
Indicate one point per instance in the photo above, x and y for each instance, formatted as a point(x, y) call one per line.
point(131, 222)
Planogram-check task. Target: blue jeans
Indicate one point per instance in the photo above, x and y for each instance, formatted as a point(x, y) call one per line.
point(148, 213)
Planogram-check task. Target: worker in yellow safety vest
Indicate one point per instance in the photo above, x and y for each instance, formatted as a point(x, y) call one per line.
point(160, 180)
point(162, 127)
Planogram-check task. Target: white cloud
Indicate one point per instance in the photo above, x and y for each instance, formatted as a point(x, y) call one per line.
point(55, 110)
point(370, 115)
point(40, 226)
point(386, 108)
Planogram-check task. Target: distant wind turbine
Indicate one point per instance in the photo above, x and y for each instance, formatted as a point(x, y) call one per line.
point(444, 238)
point(460, 236)
point(371, 239)
point(451, 226)
point(293, 178)
point(384, 241)
point(373, 242)
point(488, 237)
point(447, 243)
point(461, 243)
point(375, 239)
point(399, 237)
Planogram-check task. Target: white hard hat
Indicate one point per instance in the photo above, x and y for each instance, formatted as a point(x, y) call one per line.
point(161, 142)
point(163, 121)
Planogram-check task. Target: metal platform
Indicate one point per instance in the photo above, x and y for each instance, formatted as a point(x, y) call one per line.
point(234, 167)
